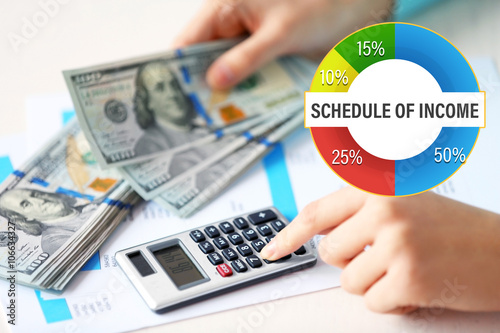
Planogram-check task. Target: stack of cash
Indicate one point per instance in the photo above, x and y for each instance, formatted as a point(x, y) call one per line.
point(148, 128)
point(175, 140)
point(57, 210)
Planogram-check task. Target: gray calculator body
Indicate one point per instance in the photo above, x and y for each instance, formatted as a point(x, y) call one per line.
point(191, 266)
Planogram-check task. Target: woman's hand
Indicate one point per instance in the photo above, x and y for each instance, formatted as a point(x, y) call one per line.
point(276, 27)
point(425, 250)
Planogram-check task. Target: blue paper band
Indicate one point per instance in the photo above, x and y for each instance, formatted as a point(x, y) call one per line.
point(39, 181)
point(74, 194)
point(18, 173)
point(199, 108)
point(248, 135)
point(219, 133)
point(266, 142)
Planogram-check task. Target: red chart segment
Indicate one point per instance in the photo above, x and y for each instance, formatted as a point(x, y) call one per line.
point(374, 174)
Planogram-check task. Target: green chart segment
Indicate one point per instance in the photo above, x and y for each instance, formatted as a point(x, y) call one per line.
point(453, 74)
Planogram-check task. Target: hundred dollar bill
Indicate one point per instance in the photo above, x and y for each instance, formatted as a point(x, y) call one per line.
point(188, 196)
point(231, 146)
point(88, 241)
point(133, 110)
point(146, 176)
point(152, 177)
point(46, 205)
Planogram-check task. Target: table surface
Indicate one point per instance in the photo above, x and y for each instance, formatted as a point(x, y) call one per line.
point(90, 32)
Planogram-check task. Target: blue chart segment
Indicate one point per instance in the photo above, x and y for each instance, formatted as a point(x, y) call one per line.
point(453, 74)
point(54, 310)
point(94, 263)
point(5, 167)
point(67, 116)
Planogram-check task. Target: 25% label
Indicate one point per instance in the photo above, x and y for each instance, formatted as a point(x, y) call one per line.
point(345, 155)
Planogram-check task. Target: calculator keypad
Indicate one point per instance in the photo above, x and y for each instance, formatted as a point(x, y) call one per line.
point(279, 260)
point(221, 243)
point(224, 270)
point(235, 238)
point(206, 247)
point(250, 234)
point(278, 225)
point(215, 258)
point(240, 223)
point(262, 217)
point(239, 266)
point(230, 254)
point(254, 261)
point(226, 227)
point(241, 238)
point(197, 236)
point(212, 231)
point(265, 230)
point(300, 251)
point(244, 250)
point(258, 245)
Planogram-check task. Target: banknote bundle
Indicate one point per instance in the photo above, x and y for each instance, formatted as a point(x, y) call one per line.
point(56, 210)
point(173, 139)
point(148, 128)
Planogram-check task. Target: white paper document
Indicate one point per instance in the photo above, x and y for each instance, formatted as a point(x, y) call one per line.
point(101, 299)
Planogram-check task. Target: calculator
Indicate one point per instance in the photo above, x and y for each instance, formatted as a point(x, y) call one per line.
point(198, 264)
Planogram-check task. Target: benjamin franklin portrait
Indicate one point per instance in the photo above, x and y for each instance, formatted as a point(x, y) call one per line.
point(54, 217)
point(161, 109)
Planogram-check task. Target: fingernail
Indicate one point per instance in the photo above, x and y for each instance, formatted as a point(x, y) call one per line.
point(269, 250)
point(221, 76)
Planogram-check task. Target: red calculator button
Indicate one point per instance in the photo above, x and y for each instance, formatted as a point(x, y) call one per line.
point(224, 270)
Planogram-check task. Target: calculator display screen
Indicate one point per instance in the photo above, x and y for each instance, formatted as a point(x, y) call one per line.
point(178, 265)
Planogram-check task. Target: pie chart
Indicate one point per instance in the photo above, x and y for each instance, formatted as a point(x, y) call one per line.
point(408, 46)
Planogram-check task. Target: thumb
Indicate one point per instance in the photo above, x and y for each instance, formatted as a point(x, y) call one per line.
point(245, 58)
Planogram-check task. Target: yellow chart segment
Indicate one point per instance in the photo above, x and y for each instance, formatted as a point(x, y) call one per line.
point(334, 68)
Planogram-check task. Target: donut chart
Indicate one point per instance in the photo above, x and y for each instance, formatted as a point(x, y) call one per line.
point(395, 177)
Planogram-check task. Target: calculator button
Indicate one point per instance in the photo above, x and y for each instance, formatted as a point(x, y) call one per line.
point(263, 216)
point(254, 261)
point(268, 239)
point(235, 238)
point(221, 243)
point(230, 254)
point(215, 258)
point(265, 230)
point(278, 225)
point(239, 266)
point(300, 251)
point(279, 260)
point(258, 245)
point(250, 234)
point(224, 270)
point(241, 223)
point(212, 231)
point(206, 247)
point(245, 250)
point(226, 227)
point(197, 236)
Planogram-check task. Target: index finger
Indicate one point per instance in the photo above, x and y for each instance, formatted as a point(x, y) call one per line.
point(325, 213)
